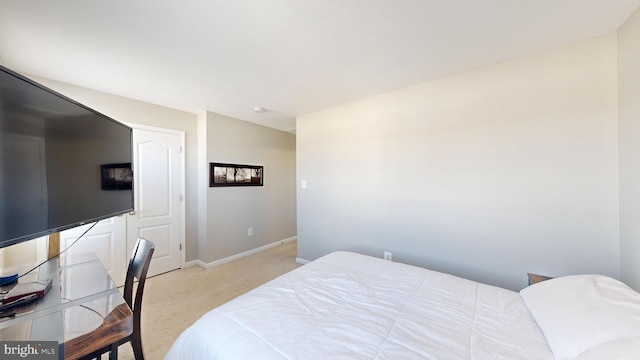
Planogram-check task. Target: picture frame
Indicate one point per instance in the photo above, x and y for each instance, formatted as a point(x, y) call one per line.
point(116, 176)
point(222, 174)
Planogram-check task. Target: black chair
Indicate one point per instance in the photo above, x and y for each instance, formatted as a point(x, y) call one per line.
point(137, 270)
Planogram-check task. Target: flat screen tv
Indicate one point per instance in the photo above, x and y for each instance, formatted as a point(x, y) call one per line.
point(62, 164)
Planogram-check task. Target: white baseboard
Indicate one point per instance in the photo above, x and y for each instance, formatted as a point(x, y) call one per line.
point(193, 263)
point(204, 265)
point(302, 261)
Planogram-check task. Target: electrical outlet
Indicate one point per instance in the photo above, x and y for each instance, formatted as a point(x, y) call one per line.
point(250, 232)
point(387, 255)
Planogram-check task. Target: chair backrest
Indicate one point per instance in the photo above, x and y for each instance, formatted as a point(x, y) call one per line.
point(137, 270)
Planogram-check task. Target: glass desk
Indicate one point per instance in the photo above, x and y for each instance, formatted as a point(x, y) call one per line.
point(83, 311)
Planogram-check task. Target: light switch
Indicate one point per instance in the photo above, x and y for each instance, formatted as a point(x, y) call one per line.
point(303, 184)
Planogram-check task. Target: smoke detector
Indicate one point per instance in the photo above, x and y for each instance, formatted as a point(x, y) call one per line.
point(258, 109)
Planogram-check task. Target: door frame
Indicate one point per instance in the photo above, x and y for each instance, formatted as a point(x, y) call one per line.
point(182, 232)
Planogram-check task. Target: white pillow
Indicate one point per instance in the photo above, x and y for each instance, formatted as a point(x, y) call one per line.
point(579, 312)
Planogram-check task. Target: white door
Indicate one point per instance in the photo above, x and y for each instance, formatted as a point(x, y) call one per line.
point(158, 179)
point(107, 239)
point(159, 210)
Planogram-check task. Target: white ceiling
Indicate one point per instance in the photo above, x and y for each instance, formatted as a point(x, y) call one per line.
point(289, 56)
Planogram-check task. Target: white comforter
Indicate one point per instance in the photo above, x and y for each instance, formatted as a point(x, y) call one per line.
point(351, 306)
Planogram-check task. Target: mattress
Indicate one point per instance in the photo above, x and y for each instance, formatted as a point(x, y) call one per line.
point(351, 306)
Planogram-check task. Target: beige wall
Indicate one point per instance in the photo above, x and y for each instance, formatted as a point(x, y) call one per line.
point(489, 174)
point(629, 134)
point(269, 209)
point(23, 253)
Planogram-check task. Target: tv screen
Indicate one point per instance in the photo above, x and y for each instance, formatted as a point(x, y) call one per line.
point(62, 164)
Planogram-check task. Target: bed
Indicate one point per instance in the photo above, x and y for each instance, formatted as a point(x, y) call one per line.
point(351, 306)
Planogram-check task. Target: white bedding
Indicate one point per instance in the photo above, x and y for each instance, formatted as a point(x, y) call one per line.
point(351, 306)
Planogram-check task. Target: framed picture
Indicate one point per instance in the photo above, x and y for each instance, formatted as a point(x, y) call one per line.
point(235, 175)
point(116, 176)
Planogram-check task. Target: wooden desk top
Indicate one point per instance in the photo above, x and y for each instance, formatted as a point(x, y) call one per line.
point(83, 311)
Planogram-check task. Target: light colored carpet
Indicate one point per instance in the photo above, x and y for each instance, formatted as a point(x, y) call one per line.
point(175, 300)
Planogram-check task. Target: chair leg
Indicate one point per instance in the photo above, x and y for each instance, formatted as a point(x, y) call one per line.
point(136, 344)
point(113, 354)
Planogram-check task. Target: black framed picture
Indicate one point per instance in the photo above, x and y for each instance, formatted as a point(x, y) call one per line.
point(221, 174)
point(116, 176)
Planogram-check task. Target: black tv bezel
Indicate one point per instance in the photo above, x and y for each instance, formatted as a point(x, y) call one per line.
point(13, 241)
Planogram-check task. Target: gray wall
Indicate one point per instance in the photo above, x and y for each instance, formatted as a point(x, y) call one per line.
point(489, 174)
point(270, 209)
point(629, 133)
